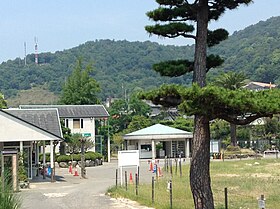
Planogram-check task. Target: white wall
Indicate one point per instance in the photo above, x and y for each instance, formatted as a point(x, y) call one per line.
point(88, 128)
point(15, 130)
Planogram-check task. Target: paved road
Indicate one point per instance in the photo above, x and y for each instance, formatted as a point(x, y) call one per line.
point(71, 192)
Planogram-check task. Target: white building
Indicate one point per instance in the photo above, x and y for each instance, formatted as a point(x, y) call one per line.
point(27, 131)
point(175, 141)
point(79, 118)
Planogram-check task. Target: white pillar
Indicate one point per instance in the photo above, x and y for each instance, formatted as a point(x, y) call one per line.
point(14, 172)
point(44, 159)
point(44, 153)
point(109, 150)
point(109, 143)
point(138, 148)
point(187, 148)
point(37, 153)
point(31, 163)
point(153, 150)
point(21, 151)
point(21, 147)
point(51, 155)
point(52, 163)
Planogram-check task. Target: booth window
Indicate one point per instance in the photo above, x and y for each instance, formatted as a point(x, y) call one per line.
point(146, 147)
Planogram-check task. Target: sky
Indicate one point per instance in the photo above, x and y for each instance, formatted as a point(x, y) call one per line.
point(63, 24)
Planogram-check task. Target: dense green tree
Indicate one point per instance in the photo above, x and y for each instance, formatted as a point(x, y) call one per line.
point(138, 122)
point(182, 123)
point(138, 107)
point(66, 132)
point(219, 130)
point(80, 88)
point(232, 81)
point(74, 143)
point(119, 116)
point(122, 111)
point(3, 103)
point(206, 103)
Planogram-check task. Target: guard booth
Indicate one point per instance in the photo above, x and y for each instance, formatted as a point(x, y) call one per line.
point(9, 169)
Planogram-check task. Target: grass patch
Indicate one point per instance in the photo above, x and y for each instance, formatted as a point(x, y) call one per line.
point(246, 180)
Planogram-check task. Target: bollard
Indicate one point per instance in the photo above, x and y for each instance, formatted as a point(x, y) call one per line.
point(261, 202)
point(176, 167)
point(136, 184)
point(116, 177)
point(165, 159)
point(171, 170)
point(138, 172)
point(167, 164)
point(125, 179)
point(155, 171)
point(153, 189)
point(170, 192)
point(226, 199)
point(180, 166)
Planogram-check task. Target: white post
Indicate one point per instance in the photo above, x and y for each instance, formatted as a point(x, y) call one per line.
point(187, 148)
point(109, 143)
point(31, 163)
point(153, 150)
point(44, 153)
point(139, 148)
point(37, 158)
point(44, 159)
point(51, 159)
point(121, 175)
point(21, 147)
point(21, 151)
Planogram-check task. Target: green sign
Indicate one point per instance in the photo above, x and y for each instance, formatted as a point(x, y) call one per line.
point(86, 134)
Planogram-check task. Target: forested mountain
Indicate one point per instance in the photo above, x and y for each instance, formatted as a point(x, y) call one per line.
point(127, 65)
point(254, 51)
point(118, 65)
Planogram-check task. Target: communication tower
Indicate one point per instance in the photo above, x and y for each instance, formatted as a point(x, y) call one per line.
point(25, 53)
point(36, 50)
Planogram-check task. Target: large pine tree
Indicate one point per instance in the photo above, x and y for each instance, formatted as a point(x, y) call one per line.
point(190, 19)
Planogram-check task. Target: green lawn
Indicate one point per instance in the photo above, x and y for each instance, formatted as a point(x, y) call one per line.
point(246, 180)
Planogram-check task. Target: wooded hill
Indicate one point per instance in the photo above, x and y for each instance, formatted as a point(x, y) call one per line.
point(123, 65)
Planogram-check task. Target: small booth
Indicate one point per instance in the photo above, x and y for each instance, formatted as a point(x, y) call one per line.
point(158, 141)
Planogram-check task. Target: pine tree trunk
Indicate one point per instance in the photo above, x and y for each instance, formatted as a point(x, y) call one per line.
point(233, 134)
point(199, 75)
point(199, 171)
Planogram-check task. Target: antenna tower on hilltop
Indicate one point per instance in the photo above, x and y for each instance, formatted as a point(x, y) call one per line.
point(36, 50)
point(24, 53)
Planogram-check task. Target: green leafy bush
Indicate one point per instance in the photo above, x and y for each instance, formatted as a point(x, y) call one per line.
point(77, 157)
point(8, 199)
point(63, 158)
point(47, 157)
point(231, 148)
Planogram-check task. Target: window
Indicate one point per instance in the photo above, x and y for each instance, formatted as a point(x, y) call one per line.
point(78, 123)
point(66, 123)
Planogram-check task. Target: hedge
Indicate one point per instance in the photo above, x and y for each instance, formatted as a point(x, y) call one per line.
point(77, 157)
